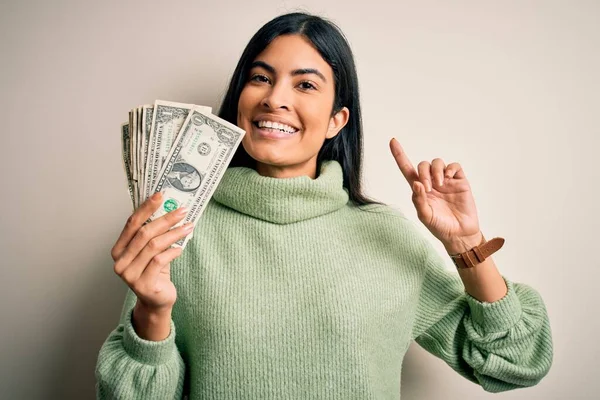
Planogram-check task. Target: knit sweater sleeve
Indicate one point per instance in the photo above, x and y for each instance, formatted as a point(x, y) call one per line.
point(503, 345)
point(129, 367)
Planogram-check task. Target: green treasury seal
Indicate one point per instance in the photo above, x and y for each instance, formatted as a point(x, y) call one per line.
point(170, 205)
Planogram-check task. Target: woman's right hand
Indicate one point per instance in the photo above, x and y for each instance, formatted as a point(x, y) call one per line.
point(143, 256)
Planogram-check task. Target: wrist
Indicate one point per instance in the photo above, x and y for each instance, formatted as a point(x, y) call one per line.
point(153, 312)
point(151, 324)
point(462, 244)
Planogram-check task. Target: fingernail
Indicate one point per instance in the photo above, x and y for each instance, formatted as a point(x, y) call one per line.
point(155, 196)
point(188, 227)
point(428, 186)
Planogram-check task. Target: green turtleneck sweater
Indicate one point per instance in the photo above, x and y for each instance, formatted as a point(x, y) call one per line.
point(289, 291)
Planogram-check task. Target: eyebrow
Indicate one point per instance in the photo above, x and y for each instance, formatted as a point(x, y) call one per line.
point(301, 71)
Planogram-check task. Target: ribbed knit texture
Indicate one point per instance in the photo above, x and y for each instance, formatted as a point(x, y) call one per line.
point(289, 291)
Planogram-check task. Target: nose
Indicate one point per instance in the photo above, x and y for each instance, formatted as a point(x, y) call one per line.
point(276, 98)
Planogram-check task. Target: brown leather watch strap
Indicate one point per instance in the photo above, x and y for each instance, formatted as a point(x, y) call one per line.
point(477, 254)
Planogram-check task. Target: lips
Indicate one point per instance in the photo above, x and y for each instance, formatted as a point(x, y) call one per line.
point(272, 133)
point(276, 125)
point(276, 122)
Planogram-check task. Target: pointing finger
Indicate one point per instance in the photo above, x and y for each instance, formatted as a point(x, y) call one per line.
point(408, 170)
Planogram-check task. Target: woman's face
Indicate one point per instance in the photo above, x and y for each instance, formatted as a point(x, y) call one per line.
point(285, 108)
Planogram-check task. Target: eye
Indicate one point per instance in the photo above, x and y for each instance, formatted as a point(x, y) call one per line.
point(259, 78)
point(306, 85)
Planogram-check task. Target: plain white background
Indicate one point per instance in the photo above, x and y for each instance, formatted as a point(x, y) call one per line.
point(508, 89)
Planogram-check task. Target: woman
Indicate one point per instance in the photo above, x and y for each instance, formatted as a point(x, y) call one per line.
point(296, 285)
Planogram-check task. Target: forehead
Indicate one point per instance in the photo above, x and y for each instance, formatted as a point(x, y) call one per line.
point(290, 52)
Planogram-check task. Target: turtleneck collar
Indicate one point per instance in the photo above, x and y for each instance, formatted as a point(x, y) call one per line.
point(283, 200)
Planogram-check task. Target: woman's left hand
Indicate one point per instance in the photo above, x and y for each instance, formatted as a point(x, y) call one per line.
point(447, 209)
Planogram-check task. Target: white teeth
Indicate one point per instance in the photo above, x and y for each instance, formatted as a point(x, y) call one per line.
point(276, 125)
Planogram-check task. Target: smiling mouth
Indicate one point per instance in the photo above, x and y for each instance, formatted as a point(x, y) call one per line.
point(275, 127)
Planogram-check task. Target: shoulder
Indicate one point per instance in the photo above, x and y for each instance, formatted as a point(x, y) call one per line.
point(390, 225)
point(380, 214)
point(379, 209)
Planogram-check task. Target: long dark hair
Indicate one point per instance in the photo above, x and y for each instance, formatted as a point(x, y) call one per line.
point(346, 147)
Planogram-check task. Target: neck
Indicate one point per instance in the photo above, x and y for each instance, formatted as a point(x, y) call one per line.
point(283, 201)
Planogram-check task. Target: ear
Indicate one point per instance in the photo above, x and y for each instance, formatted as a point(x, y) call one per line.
point(337, 122)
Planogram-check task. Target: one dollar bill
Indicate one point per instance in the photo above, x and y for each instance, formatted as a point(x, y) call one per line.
point(125, 152)
point(166, 120)
point(195, 165)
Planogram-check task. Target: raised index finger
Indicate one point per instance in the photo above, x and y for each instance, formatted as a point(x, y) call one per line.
point(403, 162)
point(135, 222)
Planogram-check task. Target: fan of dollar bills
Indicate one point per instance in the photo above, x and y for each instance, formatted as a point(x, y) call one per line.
point(179, 149)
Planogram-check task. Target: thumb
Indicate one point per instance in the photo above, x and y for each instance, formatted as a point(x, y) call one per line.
point(419, 199)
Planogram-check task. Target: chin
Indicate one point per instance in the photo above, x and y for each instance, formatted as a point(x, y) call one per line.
point(267, 154)
point(269, 159)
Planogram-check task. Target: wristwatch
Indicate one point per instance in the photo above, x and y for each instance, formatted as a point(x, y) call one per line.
point(477, 254)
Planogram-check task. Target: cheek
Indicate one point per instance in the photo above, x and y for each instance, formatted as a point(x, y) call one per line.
point(241, 104)
point(316, 116)
point(249, 99)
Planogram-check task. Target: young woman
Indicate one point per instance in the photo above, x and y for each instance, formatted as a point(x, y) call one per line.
point(296, 285)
